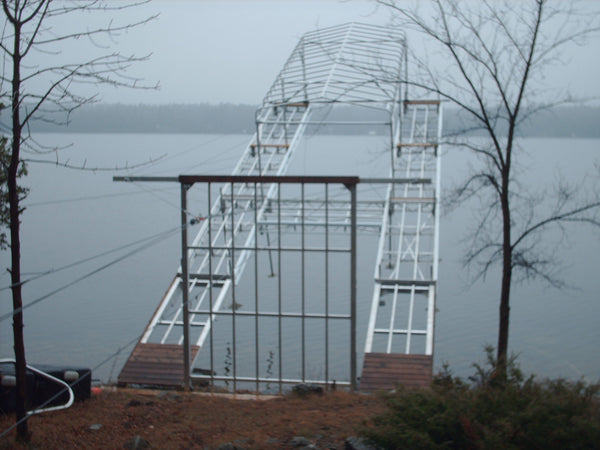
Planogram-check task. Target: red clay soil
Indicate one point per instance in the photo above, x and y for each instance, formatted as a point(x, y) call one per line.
point(170, 419)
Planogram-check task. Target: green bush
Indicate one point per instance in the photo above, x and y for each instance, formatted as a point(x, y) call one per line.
point(518, 413)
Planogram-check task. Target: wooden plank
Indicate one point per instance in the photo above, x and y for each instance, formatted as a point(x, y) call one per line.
point(421, 102)
point(412, 199)
point(417, 144)
point(295, 105)
point(271, 145)
point(407, 283)
point(155, 364)
point(393, 371)
point(384, 371)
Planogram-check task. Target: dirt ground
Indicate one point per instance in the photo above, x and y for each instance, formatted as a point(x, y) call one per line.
point(172, 419)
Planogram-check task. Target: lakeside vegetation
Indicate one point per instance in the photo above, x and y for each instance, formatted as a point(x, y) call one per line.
point(227, 118)
point(519, 413)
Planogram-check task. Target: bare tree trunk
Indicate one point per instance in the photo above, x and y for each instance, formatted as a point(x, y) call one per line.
point(15, 248)
point(27, 25)
point(504, 316)
point(19, 342)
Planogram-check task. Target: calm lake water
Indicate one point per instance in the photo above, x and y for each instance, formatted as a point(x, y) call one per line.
point(73, 215)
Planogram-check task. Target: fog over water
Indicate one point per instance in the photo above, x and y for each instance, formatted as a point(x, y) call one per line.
point(72, 215)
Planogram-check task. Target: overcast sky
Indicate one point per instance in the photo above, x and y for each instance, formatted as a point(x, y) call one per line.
point(231, 51)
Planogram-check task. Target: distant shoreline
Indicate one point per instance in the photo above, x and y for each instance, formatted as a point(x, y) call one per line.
point(249, 134)
point(564, 122)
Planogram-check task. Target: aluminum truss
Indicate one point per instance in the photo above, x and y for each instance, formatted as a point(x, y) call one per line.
point(353, 64)
point(403, 305)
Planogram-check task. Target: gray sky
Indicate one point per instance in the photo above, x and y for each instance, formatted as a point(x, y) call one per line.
point(228, 51)
point(231, 51)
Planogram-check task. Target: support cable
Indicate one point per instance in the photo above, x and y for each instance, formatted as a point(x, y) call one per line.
point(155, 241)
point(89, 258)
point(88, 198)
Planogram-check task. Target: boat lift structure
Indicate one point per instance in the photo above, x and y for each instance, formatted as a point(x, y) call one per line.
point(252, 212)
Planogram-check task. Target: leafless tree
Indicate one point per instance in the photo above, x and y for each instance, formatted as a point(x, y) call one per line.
point(494, 55)
point(50, 90)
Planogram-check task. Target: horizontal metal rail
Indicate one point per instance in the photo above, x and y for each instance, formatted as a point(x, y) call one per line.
point(273, 248)
point(272, 314)
point(266, 380)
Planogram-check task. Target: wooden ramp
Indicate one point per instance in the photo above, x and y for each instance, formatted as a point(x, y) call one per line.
point(155, 365)
point(384, 371)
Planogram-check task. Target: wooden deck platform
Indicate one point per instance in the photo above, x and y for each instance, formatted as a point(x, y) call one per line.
point(384, 371)
point(155, 365)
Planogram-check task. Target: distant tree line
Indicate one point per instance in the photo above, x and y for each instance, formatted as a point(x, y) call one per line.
point(170, 118)
point(227, 118)
point(566, 121)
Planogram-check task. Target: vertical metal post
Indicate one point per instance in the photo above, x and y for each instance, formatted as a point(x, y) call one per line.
point(394, 157)
point(353, 286)
point(436, 238)
point(327, 283)
point(233, 298)
point(405, 70)
point(210, 291)
point(303, 287)
point(279, 291)
point(185, 285)
point(256, 309)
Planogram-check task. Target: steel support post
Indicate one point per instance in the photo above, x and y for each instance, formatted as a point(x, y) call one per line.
point(185, 289)
point(353, 286)
point(210, 289)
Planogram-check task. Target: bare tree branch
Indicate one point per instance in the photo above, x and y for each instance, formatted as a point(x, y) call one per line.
point(490, 56)
point(574, 215)
point(28, 22)
point(83, 166)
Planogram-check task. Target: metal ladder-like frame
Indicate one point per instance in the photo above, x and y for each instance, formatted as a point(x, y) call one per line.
point(407, 259)
point(279, 129)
